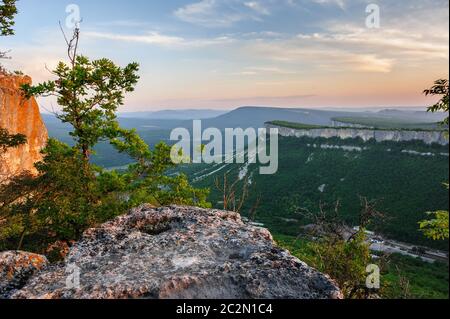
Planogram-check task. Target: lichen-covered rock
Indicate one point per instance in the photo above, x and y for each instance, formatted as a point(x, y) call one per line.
point(20, 116)
point(16, 267)
point(178, 252)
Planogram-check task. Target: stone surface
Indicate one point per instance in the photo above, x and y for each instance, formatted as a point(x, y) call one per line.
point(16, 267)
point(178, 252)
point(20, 116)
point(428, 137)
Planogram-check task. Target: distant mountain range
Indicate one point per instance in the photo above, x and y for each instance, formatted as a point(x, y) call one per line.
point(245, 117)
point(253, 116)
point(175, 114)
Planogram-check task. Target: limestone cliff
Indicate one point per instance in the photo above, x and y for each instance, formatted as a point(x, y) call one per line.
point(20, 116)
point(366, 134)
point(175, 253)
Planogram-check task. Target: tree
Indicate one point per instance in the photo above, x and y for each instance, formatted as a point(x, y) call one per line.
point(440, 88)
point(89, 93)
point(70, 194)
point(437, 229)
point(8, 10)
point(10, 140)
point(340, 252)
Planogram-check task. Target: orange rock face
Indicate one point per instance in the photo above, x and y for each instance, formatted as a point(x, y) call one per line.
point(20, 116)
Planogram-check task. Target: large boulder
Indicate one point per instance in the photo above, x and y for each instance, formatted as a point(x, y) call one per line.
point(20, 116)
point(16, 268)
point(178, 253)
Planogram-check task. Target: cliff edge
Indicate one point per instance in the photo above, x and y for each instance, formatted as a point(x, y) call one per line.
point(19, 116)
point(366, 134)
point(177, 253)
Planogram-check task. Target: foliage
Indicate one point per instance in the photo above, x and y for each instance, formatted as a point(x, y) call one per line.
point(371, 123)
point(406, 185)
point(10, 140)
point(382, 123)
point(8, 10)
point(437, 228)
point(440, 88)
point(299, 126)
point(71, 194)
point(340, 252)
point(89, 93)
point(425, 280)
point(346, 262)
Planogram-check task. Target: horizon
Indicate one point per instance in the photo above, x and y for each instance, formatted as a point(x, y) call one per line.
point(221, 54)
point(374, 109)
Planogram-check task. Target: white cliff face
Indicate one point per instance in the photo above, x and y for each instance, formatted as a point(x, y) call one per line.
point(428, 137)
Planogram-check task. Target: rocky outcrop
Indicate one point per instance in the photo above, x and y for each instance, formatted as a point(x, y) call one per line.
point(16, 268)
point(178, 253)
point(428, 137)
point(20, 116)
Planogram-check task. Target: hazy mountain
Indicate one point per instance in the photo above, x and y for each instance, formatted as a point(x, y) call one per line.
point(174, 114)
point(256, 116)
point(414, 115)
point(245, 117)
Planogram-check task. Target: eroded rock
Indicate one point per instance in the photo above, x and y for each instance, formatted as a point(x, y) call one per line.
point(179, 252)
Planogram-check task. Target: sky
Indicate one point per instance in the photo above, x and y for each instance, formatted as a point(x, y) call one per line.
point(222, 54)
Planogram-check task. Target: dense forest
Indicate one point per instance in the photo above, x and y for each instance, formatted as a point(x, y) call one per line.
point(404, 181)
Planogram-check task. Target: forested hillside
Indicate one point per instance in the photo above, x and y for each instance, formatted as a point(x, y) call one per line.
point(405, 178)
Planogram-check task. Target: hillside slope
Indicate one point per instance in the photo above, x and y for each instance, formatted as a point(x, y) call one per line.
point(405, 177)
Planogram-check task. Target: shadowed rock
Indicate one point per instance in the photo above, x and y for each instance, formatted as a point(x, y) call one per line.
point(179, 252)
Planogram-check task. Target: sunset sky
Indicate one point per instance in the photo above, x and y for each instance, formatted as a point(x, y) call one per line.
point(228, 53)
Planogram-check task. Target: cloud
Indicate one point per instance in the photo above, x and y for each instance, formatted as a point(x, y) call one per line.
point(149, 38)
point(257, 7)
point(339, 3)
point(385, 41)
point(156, 38)
point(347, 46)
point(208, 14)
point(307, 58)
point(124, 23)
point(221, 13)
point(265, 70)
